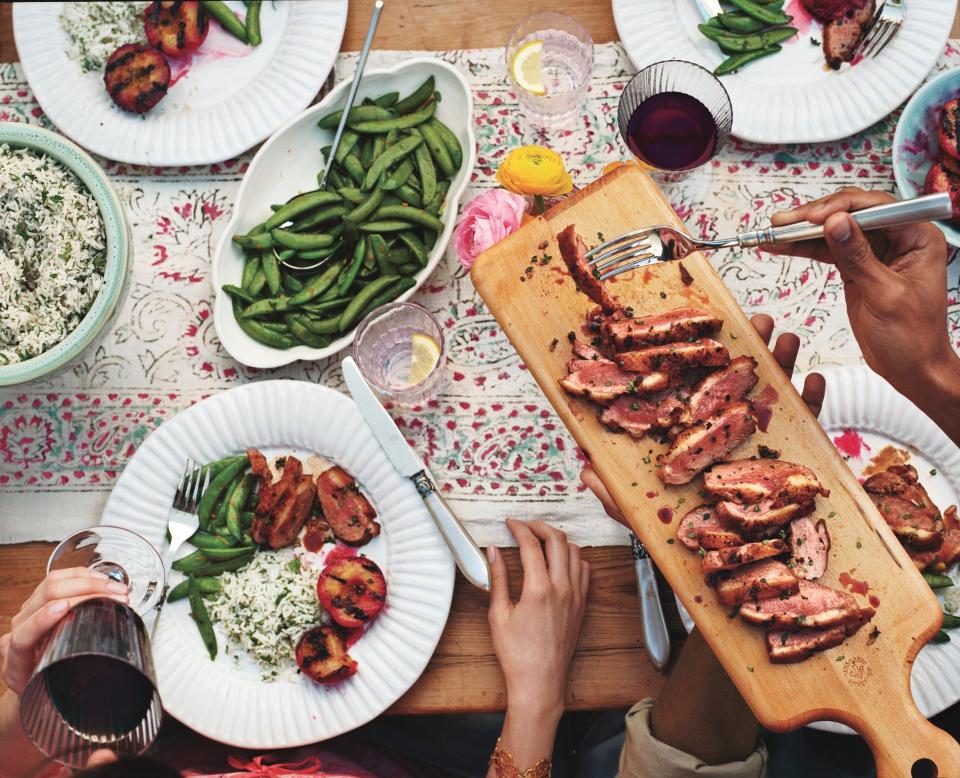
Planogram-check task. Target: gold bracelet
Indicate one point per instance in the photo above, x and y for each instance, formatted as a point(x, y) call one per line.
point(504, 766)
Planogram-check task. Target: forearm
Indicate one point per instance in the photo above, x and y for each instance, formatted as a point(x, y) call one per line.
point(700, 711)
point(528, 734)
point(19, 755)
point(937, 394)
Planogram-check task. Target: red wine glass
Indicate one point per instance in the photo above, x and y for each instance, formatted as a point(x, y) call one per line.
point(674, 116)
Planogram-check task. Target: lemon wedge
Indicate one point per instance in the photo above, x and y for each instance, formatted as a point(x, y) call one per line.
point(526, 68)
point(424, 355)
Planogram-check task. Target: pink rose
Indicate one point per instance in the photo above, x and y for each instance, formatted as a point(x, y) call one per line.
point(487, 219)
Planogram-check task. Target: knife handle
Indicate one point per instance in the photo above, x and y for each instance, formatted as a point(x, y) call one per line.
point(470, 559)
point(656, 639)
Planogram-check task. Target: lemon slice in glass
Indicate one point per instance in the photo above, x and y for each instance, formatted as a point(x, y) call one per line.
point(424, 355)
point(526, 67)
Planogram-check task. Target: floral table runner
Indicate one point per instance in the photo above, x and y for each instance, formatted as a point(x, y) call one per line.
point(492, 440)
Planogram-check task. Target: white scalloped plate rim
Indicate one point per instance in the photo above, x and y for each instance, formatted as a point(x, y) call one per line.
point(192, 125)
point(790, 97)
point(260, 188)
point(227, 701)
point(859, 399)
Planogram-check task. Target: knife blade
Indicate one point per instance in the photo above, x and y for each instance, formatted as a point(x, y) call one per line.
point(656, 639)
point(708, 8)
point(471, 561)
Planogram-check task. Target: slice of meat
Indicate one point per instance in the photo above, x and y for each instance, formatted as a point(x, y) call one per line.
point(573, 365)
point(828, 10)
point(349, 514)
point(753, 480)
point(670, 327)
point(913, 526)
point(604, 381)
point(271, 497)
point(731, 384)
point(787, 647)
point(941, 177)
point(352, 590)
point(706, 442)
point(322, 655)
point(924, 560)
point(809, 548)
point(703, 352)
point(700, 528)
point(760, 519)
point(949, 552)
point(738, 556)
point(583, 350)
point(757, 581)
point(948, 128)
point(289, 517)
point(638, 415)
point(136, 78)
point(573, 251)
point(842, 36)
point(814, 606)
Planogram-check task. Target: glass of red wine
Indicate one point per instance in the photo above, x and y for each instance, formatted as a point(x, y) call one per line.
point(674, 116)
point(94, 687)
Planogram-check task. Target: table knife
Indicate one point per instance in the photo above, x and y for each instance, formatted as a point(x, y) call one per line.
point(469, 558)
point(656, 639)
point(708, 8)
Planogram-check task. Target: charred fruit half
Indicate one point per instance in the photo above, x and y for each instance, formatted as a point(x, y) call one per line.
point(176, 27)
point(322, 655)
point(944, 177)
point(137, 78)
point(352, 590)
point(948, 128)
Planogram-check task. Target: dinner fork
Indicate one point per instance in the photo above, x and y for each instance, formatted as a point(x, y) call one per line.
point(663, 243)
point(884, 26)
point(182, 520)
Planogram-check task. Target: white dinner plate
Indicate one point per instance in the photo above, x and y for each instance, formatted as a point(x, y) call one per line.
point(792, 96)
point(227, 700)
point(229, 98)
point(859, 400)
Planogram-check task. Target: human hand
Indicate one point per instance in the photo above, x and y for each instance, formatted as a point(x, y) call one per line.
point(534, 638)
point(895, 286)
point(60, 591)
point(784, 351)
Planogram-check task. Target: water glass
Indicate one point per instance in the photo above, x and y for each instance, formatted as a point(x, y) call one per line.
point(400, 351)
point(566, 63)
point(674, 116)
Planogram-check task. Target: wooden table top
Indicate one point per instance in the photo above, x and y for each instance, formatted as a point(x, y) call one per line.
point(610, 669)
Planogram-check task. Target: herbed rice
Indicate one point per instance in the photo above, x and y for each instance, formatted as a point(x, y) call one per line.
point(52, 253)
point(265, 607)
point(96, 30)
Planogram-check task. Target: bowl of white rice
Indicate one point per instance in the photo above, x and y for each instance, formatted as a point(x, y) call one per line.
point(64, 252)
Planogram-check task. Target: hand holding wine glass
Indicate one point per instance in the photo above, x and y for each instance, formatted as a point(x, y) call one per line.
point(54, 596)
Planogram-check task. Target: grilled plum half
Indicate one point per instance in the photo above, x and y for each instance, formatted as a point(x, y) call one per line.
point(352, 590)
point(176, 27)
point(322, 655)
point(943, 177)
point(948, 128)
point(137, 78)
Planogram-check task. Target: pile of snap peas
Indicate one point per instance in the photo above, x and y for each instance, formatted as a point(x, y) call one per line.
point(748, 30)
point(223, 540)
point(372, 225)
point(248, 30)
point(950, 621)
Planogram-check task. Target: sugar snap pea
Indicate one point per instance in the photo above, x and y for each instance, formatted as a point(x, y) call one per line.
point(235, 506)
point(291, 283)
point(761, 12)
point(325, 306)
point(352, 194)
point(190, 562)
point(200, 615)
point(392, 137)
point(256, 285)
point(449, 140)
point(755, 42)
point(346, 280)
point(437, 149)
point(227, 18)
point(367, 207)
point(328, 326)
point(398, 176)
point(387, 100)
point(354, 168)
point(417, 98)
point(203, 540)
point(381, 252)
point(259, 240)
point(409, 195)
point(252, 23)
point(206, 584)
point(737, 61)
point(383, 126)
point(266, 307)
point(365, 153)
point(215, 568)
point(428, 173)
point(272, 272)
point(389, 158)
point(360, 301)
point(300, 204)
point(250, 268)
point(318, 217)
point(300, 327)
point(215, 490)
point(220, 514)
point(316, 286)
point(226, 554)
point(385, 225)
point(950, 621)
point(406, 213)
point(940, 637)
point(737, 21)
point(416, 247)
point(348, 142)
point(937, 580)
point(359, 113)
point(238, 293)
point(408, 268)
point(263, 334)
point(302, 241)
point(388, 295)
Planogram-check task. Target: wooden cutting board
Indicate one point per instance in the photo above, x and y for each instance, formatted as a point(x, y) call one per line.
point(863, 683)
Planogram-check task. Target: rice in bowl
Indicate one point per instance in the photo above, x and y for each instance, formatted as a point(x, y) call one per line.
point(52, 253)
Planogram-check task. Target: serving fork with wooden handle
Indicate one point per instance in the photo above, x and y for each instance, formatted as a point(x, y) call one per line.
point(663, 243)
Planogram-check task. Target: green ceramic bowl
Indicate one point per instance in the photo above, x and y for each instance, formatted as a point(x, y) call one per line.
point(118, 250)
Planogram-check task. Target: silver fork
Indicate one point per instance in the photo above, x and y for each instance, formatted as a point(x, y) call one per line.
point(884, 26)
point(663, 243)
point(182, 520)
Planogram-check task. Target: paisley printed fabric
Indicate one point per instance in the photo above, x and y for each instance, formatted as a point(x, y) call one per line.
point(492, 440)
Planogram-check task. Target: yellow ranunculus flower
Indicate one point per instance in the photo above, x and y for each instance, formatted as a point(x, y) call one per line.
point(534, 170)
